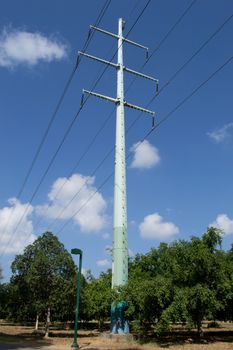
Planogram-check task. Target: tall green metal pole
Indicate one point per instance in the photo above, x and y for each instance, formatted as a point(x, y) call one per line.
point(120, 240)
point(120, 244)
point(78, 252)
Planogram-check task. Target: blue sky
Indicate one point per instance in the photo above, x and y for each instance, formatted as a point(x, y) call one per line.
point(179, 180)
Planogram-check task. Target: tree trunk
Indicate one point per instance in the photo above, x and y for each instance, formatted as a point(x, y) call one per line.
point(47, 323)
point(100, 324)
point(199, 329)
point(37, 322)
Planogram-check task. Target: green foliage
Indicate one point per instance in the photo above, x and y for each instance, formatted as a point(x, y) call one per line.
point(185, 281)
point(98, 297)
point(4, 298)
point(43, 276)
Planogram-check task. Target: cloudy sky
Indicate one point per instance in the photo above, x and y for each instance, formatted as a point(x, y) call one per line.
point(56, 165)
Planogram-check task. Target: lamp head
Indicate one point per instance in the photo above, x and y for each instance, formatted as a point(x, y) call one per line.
point(76, 251)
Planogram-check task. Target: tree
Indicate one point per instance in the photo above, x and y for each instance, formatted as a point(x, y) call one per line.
point(5, 298)
point(98, 298)
point(44, 280)
point(185, 281)
point(200, 280)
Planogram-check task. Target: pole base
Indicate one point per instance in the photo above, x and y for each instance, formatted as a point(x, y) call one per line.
point(74, 346)
point(119, 325)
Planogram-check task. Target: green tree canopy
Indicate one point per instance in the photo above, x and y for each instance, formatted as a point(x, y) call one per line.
point(43, 277)
point(185, 281)
point(98, 298)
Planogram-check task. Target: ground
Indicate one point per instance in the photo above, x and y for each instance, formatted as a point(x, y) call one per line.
point(23, 338)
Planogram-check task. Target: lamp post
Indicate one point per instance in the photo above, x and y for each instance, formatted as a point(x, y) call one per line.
point(79, 252)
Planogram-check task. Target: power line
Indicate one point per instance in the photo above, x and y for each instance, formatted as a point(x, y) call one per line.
point(77, 193)
point(75, 167)
point(108, 118)
point(189, 96)
point(53, 117)
point(69, 129)
point(134, 8)
point(162, 89)
point(92, 141)
point(148, 134)
point(185, 64)
point(198, 51)
point(164, 39)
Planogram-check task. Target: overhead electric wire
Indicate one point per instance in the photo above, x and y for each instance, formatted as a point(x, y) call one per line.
point(164, 86)
point(158, 46)
point(92, 142)
point(75, 167)
point(198, 51)
point(44, 137)
point(53, 117)
point(134, 8)
point(183, 101)
point(108, 118)
point(178, 71)
point(68, 130)
point(89, 146)
point(168, 115)
point(82, 187)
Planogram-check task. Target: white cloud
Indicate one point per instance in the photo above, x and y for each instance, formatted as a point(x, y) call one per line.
point(221, 134)
point(224, 223)
point(145, 155)
point(11, 241)
point(83, 198)
point(153, 227)
point(105, 235)
point(22, 47)
point(103, 263)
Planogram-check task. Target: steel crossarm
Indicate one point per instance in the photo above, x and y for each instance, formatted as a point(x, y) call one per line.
point(98, 59)
point(117, 37)
point(104, 97)
point(141, 109)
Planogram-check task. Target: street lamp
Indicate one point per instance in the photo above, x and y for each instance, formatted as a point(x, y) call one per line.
point(77, 251)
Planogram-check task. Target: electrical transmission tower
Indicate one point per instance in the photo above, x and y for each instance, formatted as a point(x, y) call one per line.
point(120, 240)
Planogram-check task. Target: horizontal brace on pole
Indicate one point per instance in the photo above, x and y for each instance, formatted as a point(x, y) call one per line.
point(117, 66)
point(104, 97)
point(98, 59)
point(140, 74)
point(116, 100)
point(117, 37)
point(105, 32)
point(129, 105)
point(135, 44)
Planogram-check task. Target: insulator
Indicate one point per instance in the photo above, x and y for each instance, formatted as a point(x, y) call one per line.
point(89, 33)
point(157, 87)
point(82, 100)
point(153, 122)
point(78, 60)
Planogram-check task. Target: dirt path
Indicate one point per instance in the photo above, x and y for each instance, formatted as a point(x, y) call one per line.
point(23, 338)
